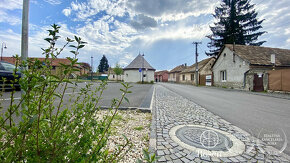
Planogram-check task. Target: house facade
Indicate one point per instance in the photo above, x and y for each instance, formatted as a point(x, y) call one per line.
point(246, 67)
point(174, 74)
point(204, 69)
point(161, 76)
point(139, 70)
point(113, 76)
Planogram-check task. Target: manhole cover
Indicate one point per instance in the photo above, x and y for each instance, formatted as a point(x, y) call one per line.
point(204, 138)
point(207, 141)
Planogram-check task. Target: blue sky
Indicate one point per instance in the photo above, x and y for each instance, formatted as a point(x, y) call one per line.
point(120, 29)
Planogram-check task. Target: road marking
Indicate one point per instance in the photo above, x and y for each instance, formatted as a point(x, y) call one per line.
point(18, 98)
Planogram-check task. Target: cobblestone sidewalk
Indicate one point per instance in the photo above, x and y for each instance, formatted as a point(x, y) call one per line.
point(171, 110)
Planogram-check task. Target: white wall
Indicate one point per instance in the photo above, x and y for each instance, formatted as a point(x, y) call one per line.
point(115, 77)
point(135, 76)
point(235, 70)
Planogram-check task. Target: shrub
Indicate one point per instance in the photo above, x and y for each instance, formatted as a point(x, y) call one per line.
point(41, 127)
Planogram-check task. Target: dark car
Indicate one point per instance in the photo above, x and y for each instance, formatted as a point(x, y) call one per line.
point(6, 71)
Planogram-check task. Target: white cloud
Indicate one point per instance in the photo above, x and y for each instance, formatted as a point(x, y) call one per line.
point(84, 10)
point(11, 4)
point(172, 10)
point(277, 25)
point(66, 11)
point(10, 19)
point(53, 2)
point(8, 5)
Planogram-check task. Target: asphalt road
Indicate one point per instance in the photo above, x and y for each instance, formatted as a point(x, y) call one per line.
point(138, 97)
point(255, 114)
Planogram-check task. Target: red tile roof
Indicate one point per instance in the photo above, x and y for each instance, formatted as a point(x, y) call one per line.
point(55, 62)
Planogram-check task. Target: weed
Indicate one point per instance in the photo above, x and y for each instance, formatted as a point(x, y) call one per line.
point(139, 128)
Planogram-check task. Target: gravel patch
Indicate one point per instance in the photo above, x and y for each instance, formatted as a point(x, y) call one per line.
point(135, 125)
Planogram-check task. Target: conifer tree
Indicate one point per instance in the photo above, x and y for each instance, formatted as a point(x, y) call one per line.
point(103, 66)
point(237, 23)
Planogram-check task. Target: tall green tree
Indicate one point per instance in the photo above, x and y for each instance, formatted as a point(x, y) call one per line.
point(118, 70)
point(103, 66)
point(236, 23)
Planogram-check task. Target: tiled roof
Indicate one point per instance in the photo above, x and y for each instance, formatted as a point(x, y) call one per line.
point(55, 62)
point(258, 55)
point(200, 65)
point(139, 62)
point(178, 69)
point(160, 72)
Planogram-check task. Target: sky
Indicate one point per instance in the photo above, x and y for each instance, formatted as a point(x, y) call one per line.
point(162, 30)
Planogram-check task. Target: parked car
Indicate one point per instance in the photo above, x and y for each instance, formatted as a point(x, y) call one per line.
point(6, 71)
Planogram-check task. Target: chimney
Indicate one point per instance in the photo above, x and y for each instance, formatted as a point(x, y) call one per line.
point(185, 64)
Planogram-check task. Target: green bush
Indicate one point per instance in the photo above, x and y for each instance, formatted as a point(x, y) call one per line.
point(41, 127)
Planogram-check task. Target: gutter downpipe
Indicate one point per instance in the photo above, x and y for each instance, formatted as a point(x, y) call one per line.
point(245, 76)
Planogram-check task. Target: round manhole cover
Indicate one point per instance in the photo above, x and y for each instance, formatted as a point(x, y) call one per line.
point(207, 141)
point(204, 138)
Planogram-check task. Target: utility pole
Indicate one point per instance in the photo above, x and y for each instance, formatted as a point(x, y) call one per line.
point(24, 39)
point(24, 36)
point(143, 69)
point(92, 68)
point(196, 63)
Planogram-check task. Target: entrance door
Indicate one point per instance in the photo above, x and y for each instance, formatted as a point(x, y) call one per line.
point(258, 83)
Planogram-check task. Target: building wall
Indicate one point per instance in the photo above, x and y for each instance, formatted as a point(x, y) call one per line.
point(114, 77)
point(172, 77)
point(135, 76)
point(187, 78)
point(206, 70)
point(234, 70)
point(162, 77)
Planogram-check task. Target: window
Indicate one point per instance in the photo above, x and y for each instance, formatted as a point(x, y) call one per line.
point(223, 75)
point(113, 76)
point(192, 77)
point(225, 54)
point(53, 67)
point(183, 77)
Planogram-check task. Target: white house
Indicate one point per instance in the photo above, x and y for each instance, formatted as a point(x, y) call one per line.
point(246, 67)
point(133, 72)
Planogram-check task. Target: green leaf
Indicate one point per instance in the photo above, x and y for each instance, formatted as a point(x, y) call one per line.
point(73, 46)
point(81, 46)
point(127, 100)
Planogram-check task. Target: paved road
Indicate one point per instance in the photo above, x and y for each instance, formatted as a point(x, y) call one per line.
point(245, 110)
point(138, 97)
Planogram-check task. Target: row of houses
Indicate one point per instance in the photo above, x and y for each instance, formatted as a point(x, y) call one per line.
point(84, 68)
point(247, 67)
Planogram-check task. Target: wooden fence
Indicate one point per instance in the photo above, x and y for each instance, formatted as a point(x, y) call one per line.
point(279, 80)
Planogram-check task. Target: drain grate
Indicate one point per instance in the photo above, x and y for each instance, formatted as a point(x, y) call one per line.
point(204, 138)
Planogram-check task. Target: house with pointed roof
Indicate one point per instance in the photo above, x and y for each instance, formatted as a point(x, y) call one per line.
point(204, 69)
point(139, 70)
point(174, 74)
point(247, 67)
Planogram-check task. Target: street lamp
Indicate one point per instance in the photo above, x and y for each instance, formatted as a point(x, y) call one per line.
point(3, 47)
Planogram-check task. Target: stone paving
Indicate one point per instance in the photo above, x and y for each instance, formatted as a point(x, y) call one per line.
point(170, 110)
